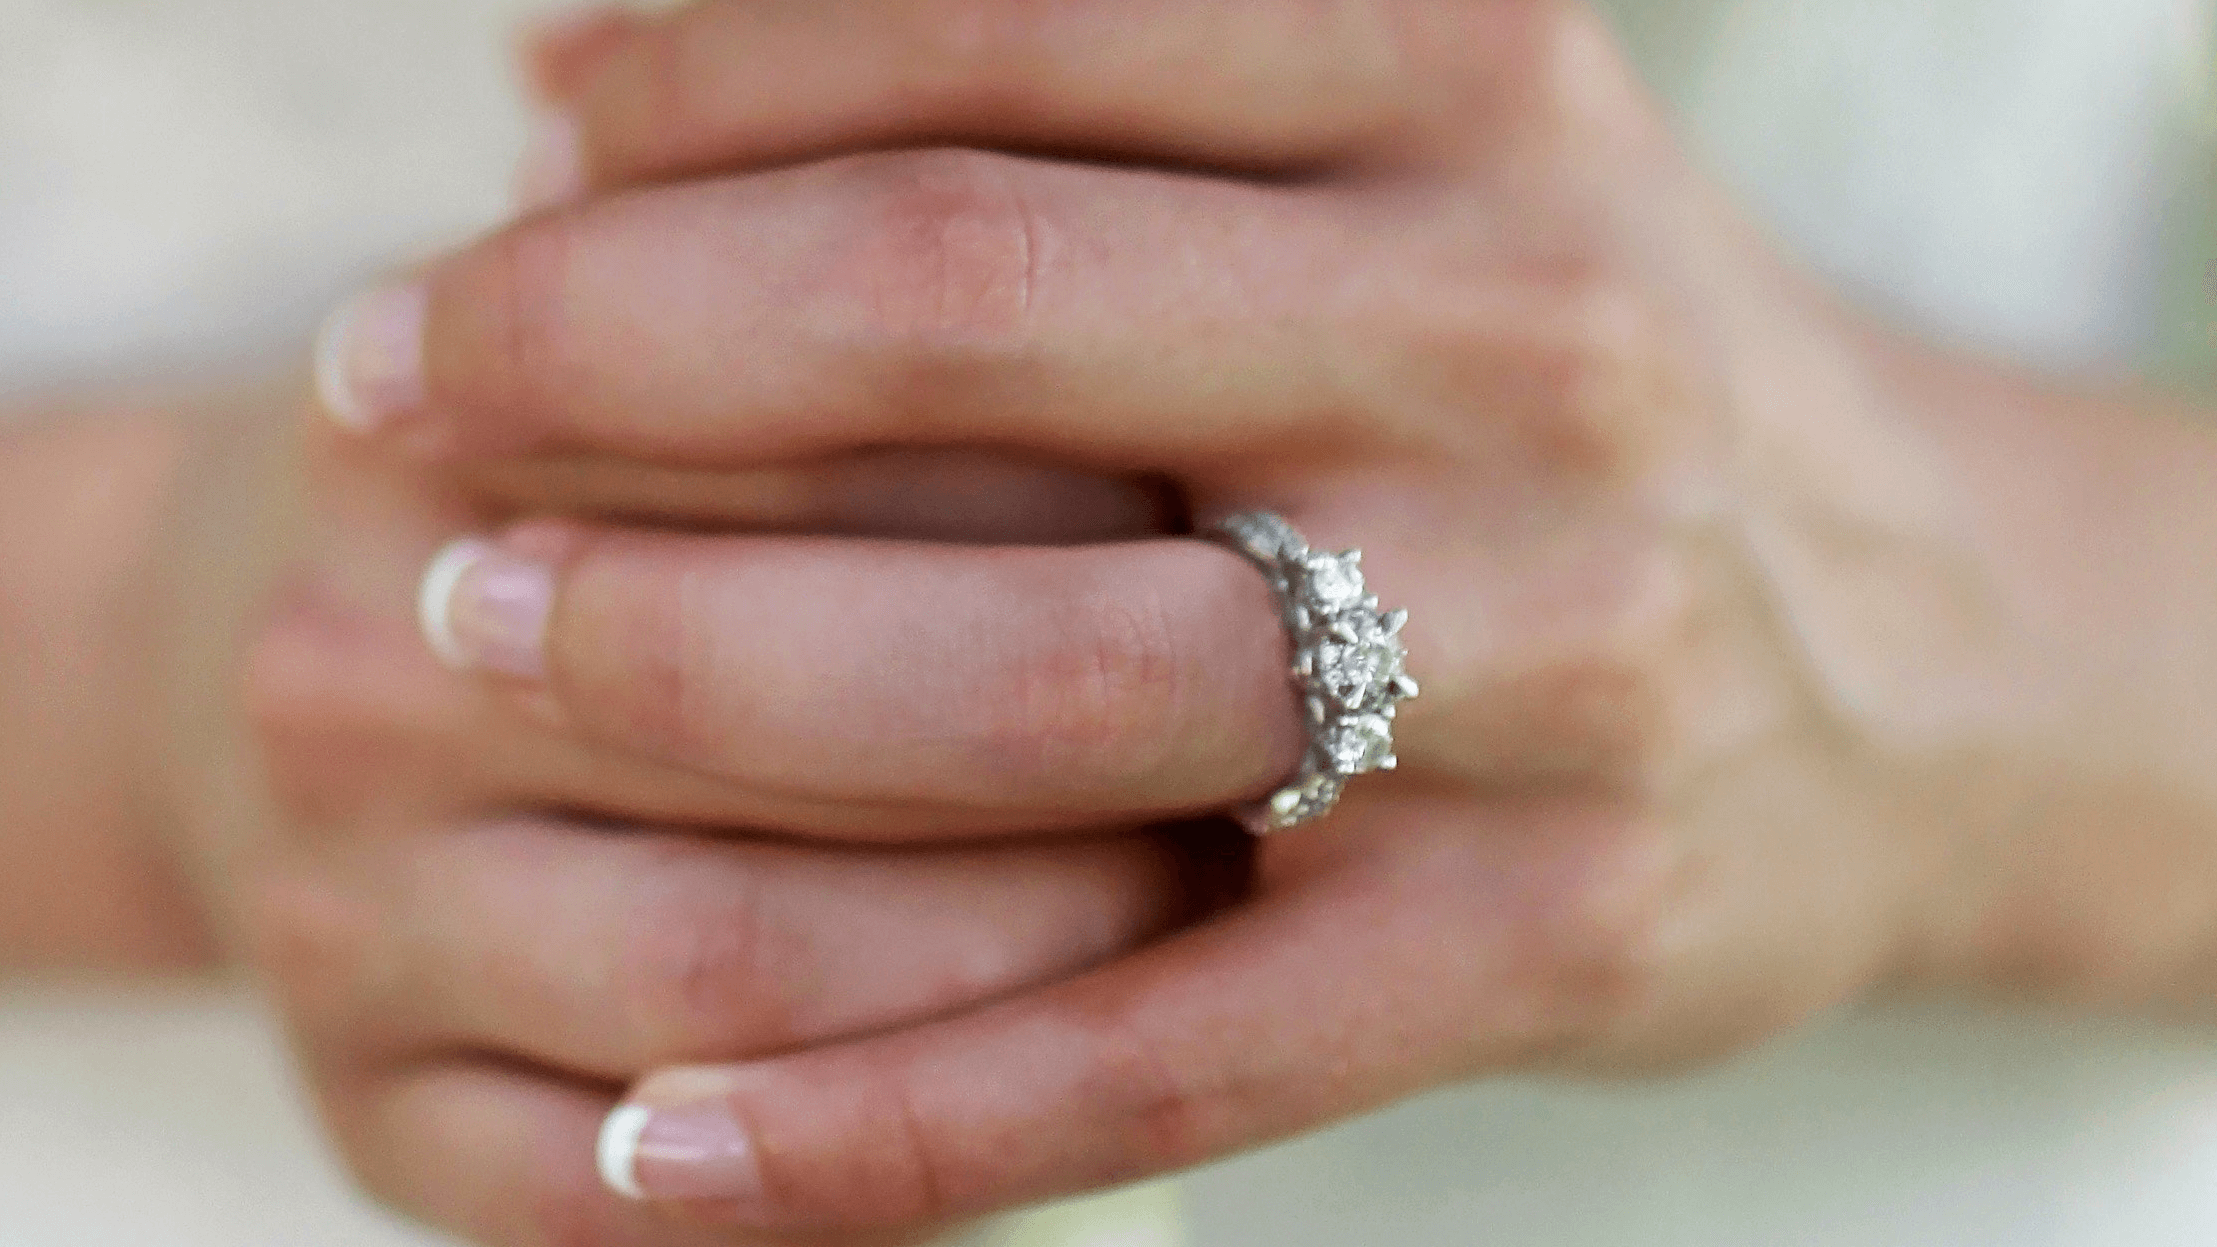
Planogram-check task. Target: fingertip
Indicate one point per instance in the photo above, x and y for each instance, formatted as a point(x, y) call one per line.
point(369, 356)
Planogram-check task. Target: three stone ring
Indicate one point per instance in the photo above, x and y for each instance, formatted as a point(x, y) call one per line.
point(1349, 665)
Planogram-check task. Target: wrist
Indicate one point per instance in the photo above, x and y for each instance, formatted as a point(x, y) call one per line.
point(85, 882)
point(2069, 802)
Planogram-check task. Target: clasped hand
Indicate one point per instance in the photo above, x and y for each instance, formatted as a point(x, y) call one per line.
point(831, 713)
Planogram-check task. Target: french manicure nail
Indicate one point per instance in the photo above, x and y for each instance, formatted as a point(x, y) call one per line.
point(552, 170)
point(369, 357)
point(483, 609)
point(679, 1153)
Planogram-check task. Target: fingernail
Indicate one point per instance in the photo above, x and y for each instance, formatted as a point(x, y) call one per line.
point(483, 609)
point(552, 170)
point(369, 357)
point(681, 1153)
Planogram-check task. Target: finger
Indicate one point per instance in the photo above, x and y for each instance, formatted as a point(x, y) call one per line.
point(503, 1156)
point(603, 954)
point(1111, 318)
point(1076, 687)
point(921, 495)
point(362, 724)
point(1219, 83)
point(359, 720)
point(1412, 957)
point(559, 55)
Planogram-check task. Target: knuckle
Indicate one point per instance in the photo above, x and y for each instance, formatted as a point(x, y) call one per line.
point(694, 974)
point(1601, 375)
point(1600, 930)
point(1583, 377)
point(1163, 1116)
point(1659, 638)
point(1095, 694)
point(890, 1174)
point(919, 1194)
point(1632, 707)
point(1603, 705)
point(515, 351)
point(947, 266)
point(652, 663)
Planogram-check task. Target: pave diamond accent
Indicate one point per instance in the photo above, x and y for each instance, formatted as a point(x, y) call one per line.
point(1304, 801)
point(1350, 665)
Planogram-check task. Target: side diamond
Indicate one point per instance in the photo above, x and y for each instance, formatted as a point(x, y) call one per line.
point(1335, 581)
point(1359, 744)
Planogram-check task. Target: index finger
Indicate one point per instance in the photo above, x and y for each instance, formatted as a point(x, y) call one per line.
point(1077, 687)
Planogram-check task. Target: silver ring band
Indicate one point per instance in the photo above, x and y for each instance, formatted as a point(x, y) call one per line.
point(1349, 665)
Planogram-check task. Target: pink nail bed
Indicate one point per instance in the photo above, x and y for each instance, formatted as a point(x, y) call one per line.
point(483, 609)
point(683, 1153)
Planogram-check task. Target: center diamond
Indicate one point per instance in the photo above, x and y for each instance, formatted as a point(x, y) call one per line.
point(1359, 674)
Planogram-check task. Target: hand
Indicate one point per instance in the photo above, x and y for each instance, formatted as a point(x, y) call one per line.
point(476, 936)
point(1704, 631)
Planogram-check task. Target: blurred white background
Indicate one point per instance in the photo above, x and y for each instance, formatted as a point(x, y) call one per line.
point(187, 183)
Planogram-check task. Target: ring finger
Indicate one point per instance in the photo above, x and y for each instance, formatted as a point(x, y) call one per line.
point(1037, 687)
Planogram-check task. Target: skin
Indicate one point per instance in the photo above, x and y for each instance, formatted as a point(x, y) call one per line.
point(83, 885)
point(1771, 662)
point(1768, 662)
point(478, 942)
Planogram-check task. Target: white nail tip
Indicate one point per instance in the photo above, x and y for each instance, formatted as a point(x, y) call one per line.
point(334, 387)
point(618, 1149)
point(435, 599)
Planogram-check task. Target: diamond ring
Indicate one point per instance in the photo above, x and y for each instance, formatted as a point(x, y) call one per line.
point(1349, 665)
